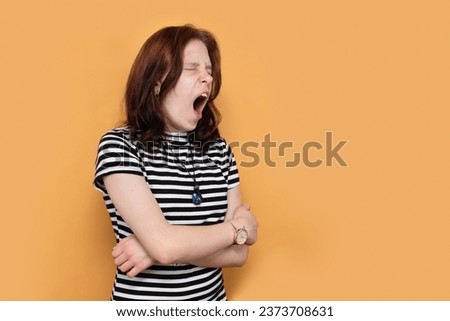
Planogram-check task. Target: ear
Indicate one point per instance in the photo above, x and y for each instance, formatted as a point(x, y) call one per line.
point(157, 88)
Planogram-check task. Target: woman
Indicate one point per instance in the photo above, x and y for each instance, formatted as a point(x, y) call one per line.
point(169, 181)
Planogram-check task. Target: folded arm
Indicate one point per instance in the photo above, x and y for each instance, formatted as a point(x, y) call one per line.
point(168, 244)
point(131, 257)
point(234, 255)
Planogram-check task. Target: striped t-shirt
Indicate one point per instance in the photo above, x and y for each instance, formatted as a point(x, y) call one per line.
point(170, 170)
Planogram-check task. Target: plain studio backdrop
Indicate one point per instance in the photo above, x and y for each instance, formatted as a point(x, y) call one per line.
point(374, 74)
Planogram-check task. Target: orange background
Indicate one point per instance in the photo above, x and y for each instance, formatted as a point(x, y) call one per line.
point(374, 73)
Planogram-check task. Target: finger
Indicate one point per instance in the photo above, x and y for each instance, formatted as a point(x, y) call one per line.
point(133, 272)
point(117, 250)
point(121, 259)
point(125, 267)
point(139, 267)
point(246, 206)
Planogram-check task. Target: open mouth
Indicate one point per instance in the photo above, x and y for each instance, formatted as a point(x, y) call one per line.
point(200, 101)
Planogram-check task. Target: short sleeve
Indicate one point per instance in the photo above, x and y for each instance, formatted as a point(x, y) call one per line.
point(228, 164)
point(231, 167)
point(116, 154)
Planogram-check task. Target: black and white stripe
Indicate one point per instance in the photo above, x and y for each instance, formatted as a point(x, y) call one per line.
point(169, 170)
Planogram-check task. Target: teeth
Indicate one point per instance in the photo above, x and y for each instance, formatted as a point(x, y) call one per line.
point(204, 95)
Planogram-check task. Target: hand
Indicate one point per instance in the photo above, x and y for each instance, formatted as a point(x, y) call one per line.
point(244, 218)
point(130, 256)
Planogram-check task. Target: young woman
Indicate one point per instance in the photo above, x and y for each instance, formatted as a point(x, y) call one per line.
point(169, 181)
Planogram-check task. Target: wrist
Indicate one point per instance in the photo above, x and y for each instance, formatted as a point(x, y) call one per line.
point(240, 233)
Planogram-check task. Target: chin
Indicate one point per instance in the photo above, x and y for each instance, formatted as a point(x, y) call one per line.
point(191, 127)
point(186, 127)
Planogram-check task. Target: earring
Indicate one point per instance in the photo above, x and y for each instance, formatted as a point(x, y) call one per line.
point(156, 91)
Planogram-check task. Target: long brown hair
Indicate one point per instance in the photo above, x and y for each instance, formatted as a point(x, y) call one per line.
point(161, 58)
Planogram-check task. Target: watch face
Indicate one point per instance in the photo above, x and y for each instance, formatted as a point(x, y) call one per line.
point(241, 236)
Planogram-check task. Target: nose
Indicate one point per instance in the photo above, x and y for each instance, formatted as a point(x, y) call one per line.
point(206, 77)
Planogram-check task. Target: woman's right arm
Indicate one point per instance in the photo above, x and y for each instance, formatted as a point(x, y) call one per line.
point(164, 242)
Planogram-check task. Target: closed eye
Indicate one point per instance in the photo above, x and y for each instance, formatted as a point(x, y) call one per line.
point(191, 66)
point(196, 66)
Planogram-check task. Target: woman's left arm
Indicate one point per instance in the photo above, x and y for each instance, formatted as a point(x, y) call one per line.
point(234, 255)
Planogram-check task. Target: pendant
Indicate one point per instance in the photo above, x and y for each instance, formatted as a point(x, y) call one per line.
point(196, 196)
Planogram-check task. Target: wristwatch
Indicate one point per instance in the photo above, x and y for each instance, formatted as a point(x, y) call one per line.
point(240, 235)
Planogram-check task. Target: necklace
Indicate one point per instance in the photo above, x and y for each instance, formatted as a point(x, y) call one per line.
point(197, 198)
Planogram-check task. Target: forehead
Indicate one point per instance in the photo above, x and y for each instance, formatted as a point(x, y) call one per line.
point(196, 51)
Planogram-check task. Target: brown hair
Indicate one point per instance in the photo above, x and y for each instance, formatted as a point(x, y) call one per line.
point(161, 58)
